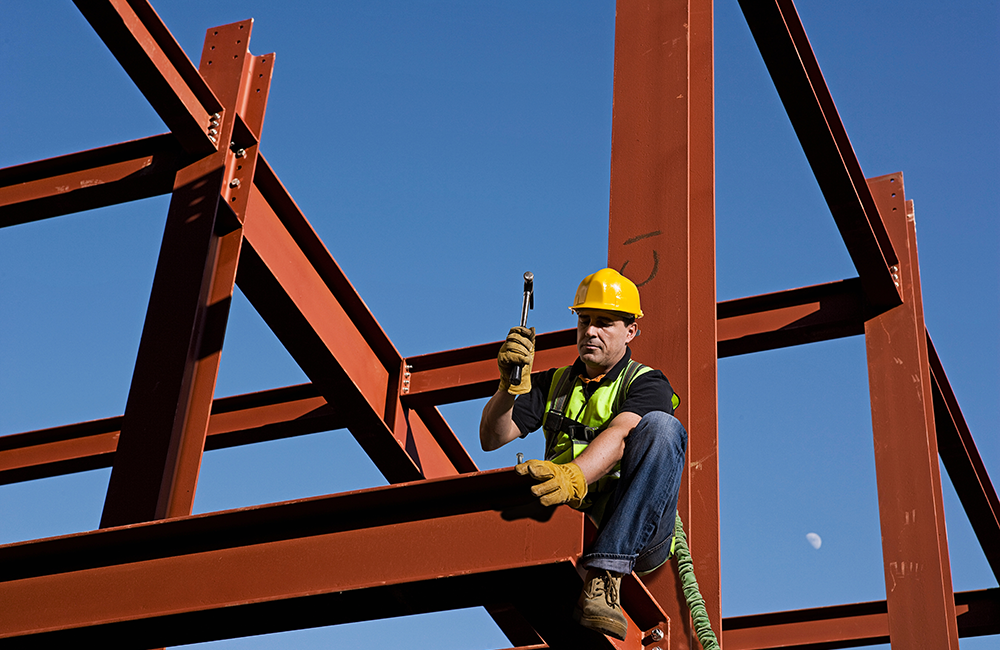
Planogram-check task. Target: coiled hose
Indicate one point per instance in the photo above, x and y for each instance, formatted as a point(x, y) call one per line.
point(685, 570)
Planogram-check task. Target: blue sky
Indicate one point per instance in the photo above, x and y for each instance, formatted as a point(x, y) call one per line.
point(440, 148)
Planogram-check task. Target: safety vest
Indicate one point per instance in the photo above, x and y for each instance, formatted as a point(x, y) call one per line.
point(572, 420)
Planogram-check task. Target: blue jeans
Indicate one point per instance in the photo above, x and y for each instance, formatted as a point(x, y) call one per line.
point(638, 523)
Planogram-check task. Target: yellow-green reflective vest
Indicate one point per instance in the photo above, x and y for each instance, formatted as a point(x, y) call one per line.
point(572, 421)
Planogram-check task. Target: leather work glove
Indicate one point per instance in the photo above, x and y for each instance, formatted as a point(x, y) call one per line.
point(517, 350)
point(562, 483)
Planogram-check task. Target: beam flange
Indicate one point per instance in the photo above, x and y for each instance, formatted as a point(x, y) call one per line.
point(848, 626)
point(797, 77)
point(964, 465)
point(372, 553)
point(89, 179)
point(150, 55)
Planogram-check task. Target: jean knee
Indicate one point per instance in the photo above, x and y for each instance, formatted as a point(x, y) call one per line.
point(661, 428)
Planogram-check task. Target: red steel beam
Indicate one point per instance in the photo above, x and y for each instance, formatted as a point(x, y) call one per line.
point(159, 452)
point(662, 235)
point(157, 65)
point(964, 465)
point(789, 57)
point(427, 546)
point(238, 420)
point(90, 179)
point(745, 325)
point(431, 545)
point(915, 558)
point(300, 291)
point(848, 626)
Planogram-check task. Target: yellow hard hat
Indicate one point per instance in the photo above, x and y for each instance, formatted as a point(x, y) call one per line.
point(608, 290)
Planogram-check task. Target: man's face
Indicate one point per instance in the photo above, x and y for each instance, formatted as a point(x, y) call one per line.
point(601, 337)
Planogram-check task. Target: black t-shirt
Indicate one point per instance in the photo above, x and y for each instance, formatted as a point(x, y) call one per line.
point(649, 392)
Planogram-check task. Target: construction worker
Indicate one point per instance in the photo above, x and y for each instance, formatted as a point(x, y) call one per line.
point(612, 445)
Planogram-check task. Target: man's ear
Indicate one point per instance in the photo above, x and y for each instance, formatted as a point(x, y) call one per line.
point(633, 330)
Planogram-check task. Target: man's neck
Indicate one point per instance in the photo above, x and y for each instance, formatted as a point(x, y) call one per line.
point(597, 371)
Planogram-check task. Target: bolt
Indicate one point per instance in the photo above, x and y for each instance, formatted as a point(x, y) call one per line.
point(234, 183)
point(212, 138)
point(213, 131)
point(520, 458)
point(656, 634)
point(216, 116)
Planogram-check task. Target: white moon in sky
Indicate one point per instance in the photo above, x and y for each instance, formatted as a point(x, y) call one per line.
point(814, 540)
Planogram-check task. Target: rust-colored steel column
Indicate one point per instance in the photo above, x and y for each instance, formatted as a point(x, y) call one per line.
point(914, 541)
point(662, 236)
point(159, 453)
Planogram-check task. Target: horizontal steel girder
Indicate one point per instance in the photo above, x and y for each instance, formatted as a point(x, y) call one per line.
point(848, 626)
point(89, 179)
point(745, 325)
point(431, 545)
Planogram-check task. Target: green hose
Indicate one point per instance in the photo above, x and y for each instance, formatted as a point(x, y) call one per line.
point(685, 570)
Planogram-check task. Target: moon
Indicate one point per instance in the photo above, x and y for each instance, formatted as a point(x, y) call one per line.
point(814, 539)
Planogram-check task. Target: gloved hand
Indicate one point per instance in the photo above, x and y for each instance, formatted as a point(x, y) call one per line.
point(517, 350)
point(563, 483)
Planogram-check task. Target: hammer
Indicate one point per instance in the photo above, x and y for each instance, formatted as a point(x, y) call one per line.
point(528, 302)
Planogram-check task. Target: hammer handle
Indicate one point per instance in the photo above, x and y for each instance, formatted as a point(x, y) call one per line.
point(526, 304)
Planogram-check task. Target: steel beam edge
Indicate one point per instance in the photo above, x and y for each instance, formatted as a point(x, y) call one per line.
point(428, 445)
point(156, 63)
point(791, 62)
point(746, 325)
point(91, 179)
point(260, 561)
point(848, 626)
point(964, 465)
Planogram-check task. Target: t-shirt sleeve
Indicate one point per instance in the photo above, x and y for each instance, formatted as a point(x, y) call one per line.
point(649, 392)
point(529, 409)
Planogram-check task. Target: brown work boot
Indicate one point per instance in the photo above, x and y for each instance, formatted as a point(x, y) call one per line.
point(598, 607)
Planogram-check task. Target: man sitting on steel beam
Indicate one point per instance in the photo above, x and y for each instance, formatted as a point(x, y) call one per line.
point(612, 445)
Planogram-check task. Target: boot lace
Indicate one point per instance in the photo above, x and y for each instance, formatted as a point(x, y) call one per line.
point(610, 589)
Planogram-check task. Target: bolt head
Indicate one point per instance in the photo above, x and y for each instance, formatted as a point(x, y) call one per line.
point(656, 634)
point(234, 183)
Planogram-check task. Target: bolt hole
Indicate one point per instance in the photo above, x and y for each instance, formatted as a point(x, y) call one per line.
point(233, 199)
point(215, 33)
point(213, 47)
point(893, 195)
point(209, 63)
point(892, 180)
point(236, 56)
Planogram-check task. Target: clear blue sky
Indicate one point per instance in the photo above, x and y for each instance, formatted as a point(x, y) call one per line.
point(440, 148)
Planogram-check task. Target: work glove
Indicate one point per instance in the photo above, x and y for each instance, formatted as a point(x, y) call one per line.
point(517, 350)
point(562, 483)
